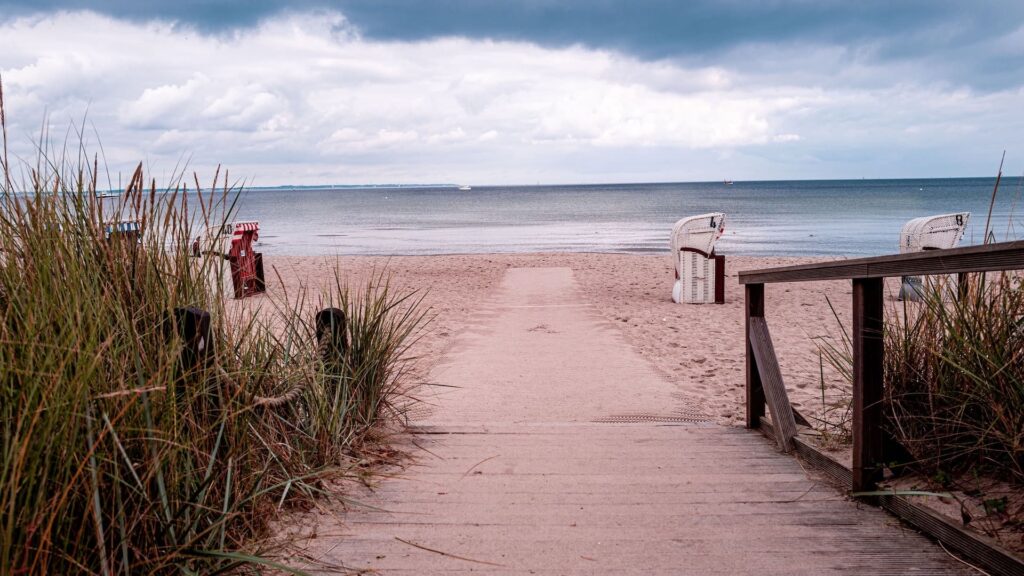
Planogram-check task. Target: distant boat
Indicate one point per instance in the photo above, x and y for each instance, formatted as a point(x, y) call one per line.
point(727, 182)
point(464, 187)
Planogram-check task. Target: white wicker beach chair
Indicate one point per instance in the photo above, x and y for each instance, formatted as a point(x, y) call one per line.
point(698, 272)
point(933, 232)
point(929, 233)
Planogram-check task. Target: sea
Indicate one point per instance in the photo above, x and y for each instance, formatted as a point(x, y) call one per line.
point(771, 218)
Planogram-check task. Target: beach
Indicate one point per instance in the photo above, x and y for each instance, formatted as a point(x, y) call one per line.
point(699, 348)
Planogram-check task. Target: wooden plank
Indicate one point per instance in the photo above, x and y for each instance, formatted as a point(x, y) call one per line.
point(800, 419)
point(868, 350)
point(975, 548)
point(542, 493)
point(771, 378)
point(834, 470)
point(984, 258)
point(755, 390)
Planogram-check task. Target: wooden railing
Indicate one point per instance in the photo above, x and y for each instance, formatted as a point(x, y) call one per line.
point(764, 379)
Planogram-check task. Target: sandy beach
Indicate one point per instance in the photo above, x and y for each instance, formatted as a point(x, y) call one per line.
point(697, 347)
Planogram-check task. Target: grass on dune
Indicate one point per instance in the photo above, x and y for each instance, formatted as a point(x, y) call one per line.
point(120, 455)
point(953, 378)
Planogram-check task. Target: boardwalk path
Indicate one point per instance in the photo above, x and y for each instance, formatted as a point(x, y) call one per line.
point(523, 477)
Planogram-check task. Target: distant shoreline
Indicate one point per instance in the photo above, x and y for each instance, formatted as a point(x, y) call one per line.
point(394, 186)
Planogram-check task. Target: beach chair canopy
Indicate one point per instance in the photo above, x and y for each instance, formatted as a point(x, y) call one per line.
point(933, 232)
point(123, 227)
point(222, 238)
point(241, 228)
point(698, 233)
point(232, 230)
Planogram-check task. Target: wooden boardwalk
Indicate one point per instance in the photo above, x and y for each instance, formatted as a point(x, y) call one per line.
point(559, 450)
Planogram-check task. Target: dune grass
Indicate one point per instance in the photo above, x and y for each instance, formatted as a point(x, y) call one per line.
point(121, 453)
point(954, 378)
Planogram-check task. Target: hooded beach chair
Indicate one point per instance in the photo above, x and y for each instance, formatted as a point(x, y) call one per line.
point(235, 243)
point(700, 273)
point(929, 233)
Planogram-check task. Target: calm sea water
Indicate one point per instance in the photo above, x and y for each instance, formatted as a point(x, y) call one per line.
point(838, 217)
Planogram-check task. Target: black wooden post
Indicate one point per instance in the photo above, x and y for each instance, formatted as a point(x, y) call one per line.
point(331, 336)
point(868, 351)
point(261, 282)
point(719, 278)
point(194, 328)
point(963, 286)
point(755, 389)
point(237, 284)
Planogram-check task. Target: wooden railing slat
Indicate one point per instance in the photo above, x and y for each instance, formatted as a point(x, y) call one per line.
point(984, 258)
point(771, 378)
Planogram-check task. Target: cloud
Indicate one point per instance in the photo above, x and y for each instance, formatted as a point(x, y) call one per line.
point(968, 43)
point(310, 97)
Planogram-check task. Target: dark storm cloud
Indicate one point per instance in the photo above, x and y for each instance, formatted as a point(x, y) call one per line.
point(668, 28)
point(645, 28)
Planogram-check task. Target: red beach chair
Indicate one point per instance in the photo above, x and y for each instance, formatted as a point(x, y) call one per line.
point(246, 264)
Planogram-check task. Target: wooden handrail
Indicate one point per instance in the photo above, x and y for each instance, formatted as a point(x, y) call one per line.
point(983, 258)
point(764, 384)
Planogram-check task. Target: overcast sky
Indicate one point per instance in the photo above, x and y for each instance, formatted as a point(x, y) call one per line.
point(503, 92)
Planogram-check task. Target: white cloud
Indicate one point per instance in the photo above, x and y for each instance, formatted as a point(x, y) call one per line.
point(163, 106)
point(304, 99)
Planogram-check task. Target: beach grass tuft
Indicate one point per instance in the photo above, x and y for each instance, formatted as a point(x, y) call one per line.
point(125, 447)
point(954, 377)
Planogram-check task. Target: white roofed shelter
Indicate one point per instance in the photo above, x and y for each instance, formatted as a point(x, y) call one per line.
point(699, 272)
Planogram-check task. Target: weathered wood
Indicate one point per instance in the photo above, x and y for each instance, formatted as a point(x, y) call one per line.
point(331, 337)
point(979, 550)
point(194, 328)
point(976, 549)
point(238, 288)
point(835, 471)
point(868, 350)
point(963, 285)
point(719, 279)
point(985, 258)
point(261, 281)
point(800, 419)
point(771, 378)
point(755, 390)
point(517, 473)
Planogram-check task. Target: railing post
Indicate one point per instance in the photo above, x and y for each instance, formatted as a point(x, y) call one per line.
point(196, 332)
point(963, 286)
point(755, 389)
point(331, 336)
point(868, 351)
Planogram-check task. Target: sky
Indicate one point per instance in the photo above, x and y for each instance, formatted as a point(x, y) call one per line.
point(522, 92)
